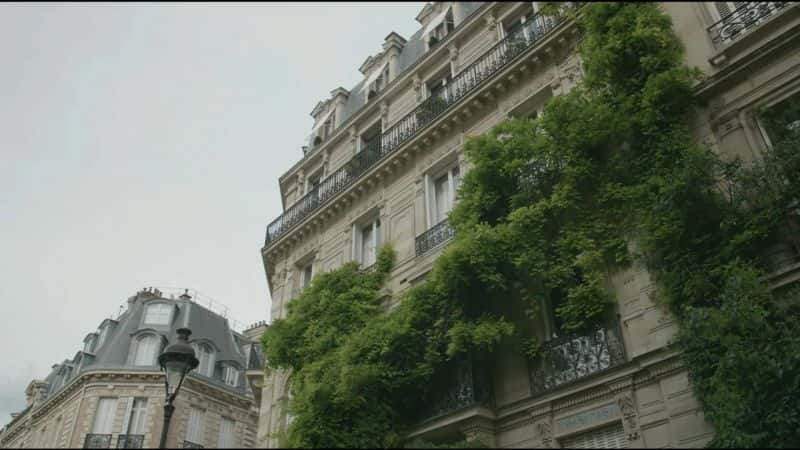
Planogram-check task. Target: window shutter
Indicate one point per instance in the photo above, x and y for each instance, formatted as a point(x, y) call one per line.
point(607, 437)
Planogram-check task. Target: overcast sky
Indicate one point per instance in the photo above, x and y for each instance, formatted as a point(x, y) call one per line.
point(140, 145)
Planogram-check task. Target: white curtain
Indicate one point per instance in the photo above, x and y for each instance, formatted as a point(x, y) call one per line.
point(205, 355)
point(195, 427)
point(226, 436)
point(138, 413)
point(104, 416)
point(146, 351)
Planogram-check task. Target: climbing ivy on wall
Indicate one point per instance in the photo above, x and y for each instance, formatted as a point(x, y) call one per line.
point(607, 176)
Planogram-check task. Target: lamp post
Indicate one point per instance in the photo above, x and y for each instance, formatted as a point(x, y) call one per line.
point(176, 361)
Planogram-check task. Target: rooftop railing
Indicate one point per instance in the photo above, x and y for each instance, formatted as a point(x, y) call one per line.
point(489, 63)
point(743, 19)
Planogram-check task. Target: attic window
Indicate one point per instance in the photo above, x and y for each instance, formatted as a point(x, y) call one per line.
point(158, 314)
point(377, 81)
point(439, 27)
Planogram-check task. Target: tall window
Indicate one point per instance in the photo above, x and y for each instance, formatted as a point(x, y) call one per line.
point(308, 273)
point(442, 191)
point(136, 416)
point(194, 429)
point(158, 314)
point(147, 348)
point(226, 436)
point(104, 416)
point(205, 354)
point(367, 241)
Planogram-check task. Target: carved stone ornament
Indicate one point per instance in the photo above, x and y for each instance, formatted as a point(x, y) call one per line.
point(629, 416)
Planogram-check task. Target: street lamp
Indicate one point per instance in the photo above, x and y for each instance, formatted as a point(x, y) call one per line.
point(176, 361)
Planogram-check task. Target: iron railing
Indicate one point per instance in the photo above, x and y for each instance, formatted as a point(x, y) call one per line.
point(743, 19)
point(190, 444)
point(489, 63)
point(130, 441)
point(461, 384)
point(435, 236)
point(97, 441)
point(570, 358)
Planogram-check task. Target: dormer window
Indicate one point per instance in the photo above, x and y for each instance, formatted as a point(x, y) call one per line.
point(230, 375)
point(438, 28)
point(205, 354)
point(146, 350)
point(158, 314)
point(89, 342)
point(102, 338)
point(377, 81)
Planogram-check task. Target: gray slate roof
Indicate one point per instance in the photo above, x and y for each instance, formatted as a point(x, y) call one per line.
point(413, 50)
point(206, 325)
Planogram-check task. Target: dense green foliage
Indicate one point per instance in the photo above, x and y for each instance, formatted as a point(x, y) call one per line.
point(549, 209)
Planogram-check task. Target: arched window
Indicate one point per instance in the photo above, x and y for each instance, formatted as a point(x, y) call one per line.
point(158, 314)
point(205, 354)
point(147, 348)
point(317, 141)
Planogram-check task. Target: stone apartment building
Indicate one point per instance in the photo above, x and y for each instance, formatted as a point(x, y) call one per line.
point(383, 162)
point(111, 393)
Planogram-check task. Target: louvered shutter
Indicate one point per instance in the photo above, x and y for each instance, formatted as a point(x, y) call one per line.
point(607, 437)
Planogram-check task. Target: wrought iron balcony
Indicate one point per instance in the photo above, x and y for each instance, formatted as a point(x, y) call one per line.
point(570, 358)
point(190, 444)
point(488, 64)
point(463, 383)
point(435, 236)
point(97, 441)
point(130, 441)
point(743, 19)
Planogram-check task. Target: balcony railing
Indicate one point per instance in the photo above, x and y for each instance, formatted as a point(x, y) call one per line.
point(571, 358)
point(463, 383)
point(97, 441)
point(488, 64)
point(743, 19)
point(130, 441)
point(190, 444)
point(434, 237)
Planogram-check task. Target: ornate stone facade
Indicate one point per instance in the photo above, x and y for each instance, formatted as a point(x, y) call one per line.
point(643, 398)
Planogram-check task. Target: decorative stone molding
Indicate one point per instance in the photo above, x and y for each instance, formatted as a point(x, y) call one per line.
point(544, 432)
point(630, 418)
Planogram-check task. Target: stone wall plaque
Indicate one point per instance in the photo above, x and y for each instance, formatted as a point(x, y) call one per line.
point(587, 419)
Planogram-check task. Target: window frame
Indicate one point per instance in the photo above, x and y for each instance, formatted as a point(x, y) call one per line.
point(430, 191)
point(137, 343)
point(195, 431)
point(373, 222)
point(108, 419)
point(170, 308)
point(199, 347)
point(230, 442)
